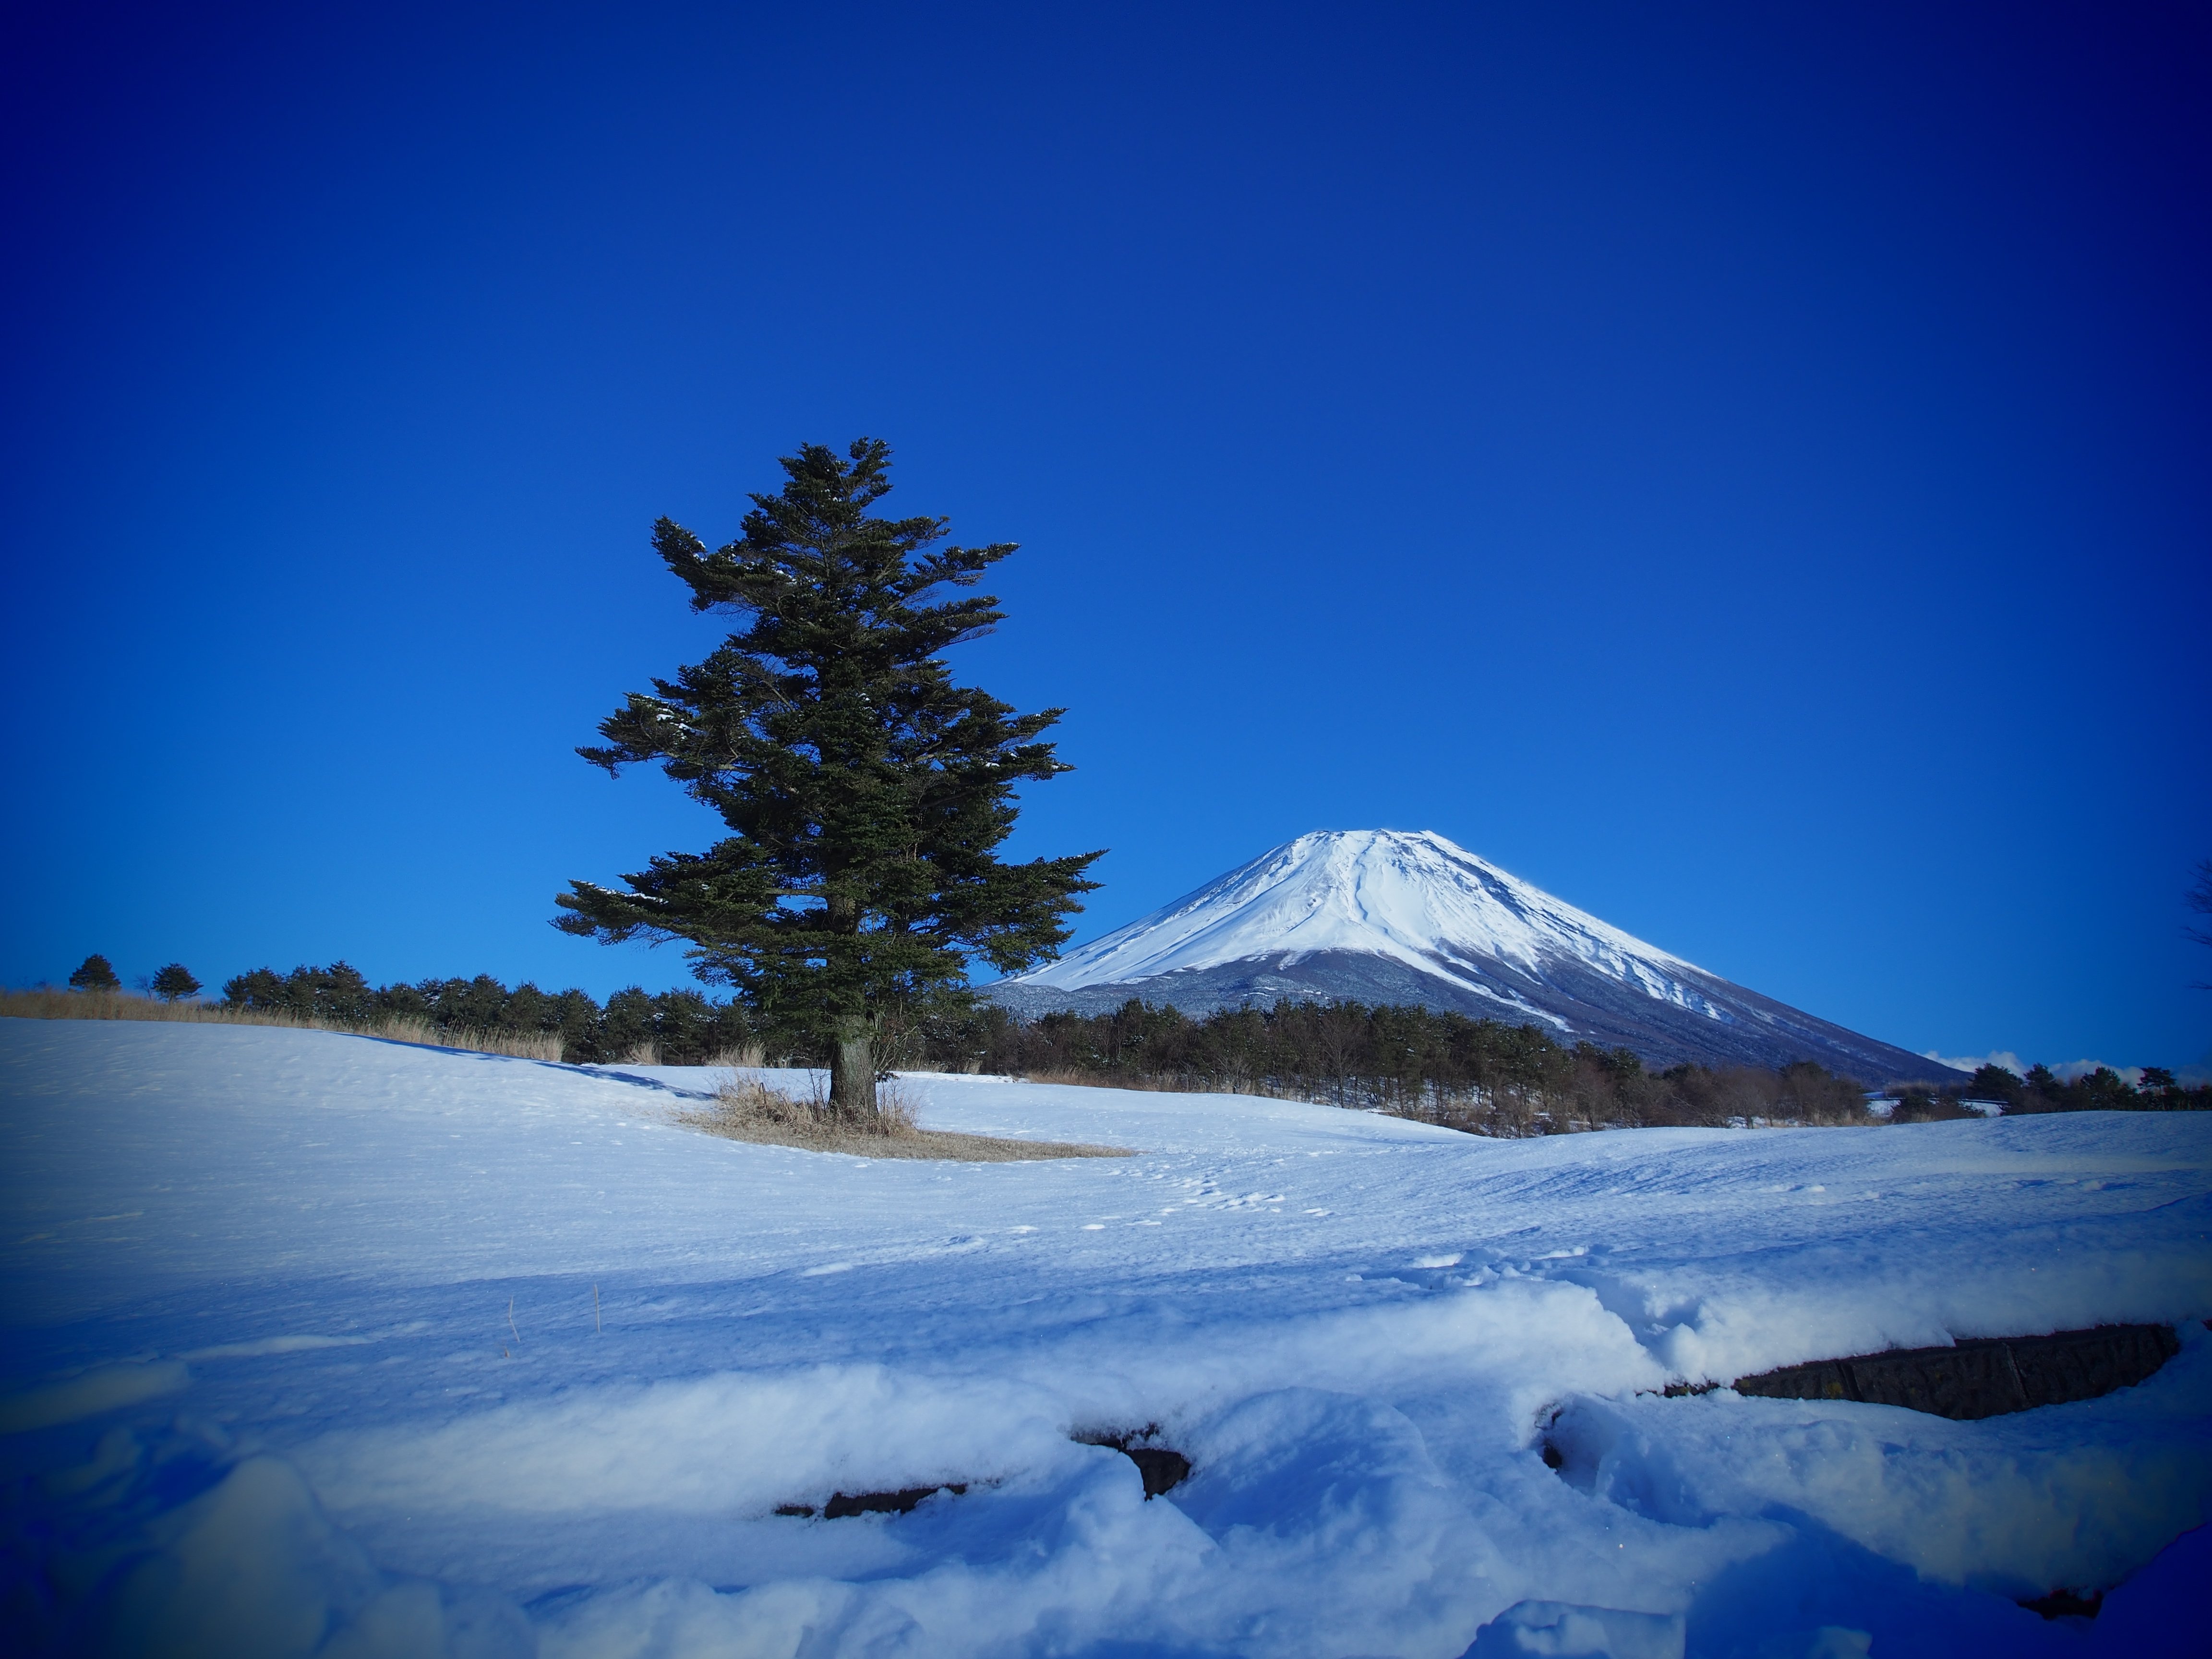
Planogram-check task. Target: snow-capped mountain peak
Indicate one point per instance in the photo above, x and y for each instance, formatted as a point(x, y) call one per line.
point(1379, 916)
point(1411, 896)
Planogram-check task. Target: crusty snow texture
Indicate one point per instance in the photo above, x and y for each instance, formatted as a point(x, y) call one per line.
point(323, 1344)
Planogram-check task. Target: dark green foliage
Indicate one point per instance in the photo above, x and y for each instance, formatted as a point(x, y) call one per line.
point(2101, 1091)
point(174, 983)
point(627, 1023)
point(95, 973)
point(682, 1027)
point(1994, 1083)
point(337, 994)
point(865, 792)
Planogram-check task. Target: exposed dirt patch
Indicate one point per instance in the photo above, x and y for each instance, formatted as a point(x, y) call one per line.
point(2066, 1604)
point(1162, 1467)
point(1983, 1376)
point(746, 1110)
point(842, 1505)
point(1980, 1376)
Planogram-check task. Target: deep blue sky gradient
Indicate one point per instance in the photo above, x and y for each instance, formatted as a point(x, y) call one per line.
point(1743, 468)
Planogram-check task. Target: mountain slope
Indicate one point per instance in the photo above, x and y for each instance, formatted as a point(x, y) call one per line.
point(1384, 916)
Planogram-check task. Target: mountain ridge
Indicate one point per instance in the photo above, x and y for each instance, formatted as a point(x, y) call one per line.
point(1383, 915)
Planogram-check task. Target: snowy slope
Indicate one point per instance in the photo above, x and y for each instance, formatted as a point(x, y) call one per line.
point(348, 1347)
point(1377, 915)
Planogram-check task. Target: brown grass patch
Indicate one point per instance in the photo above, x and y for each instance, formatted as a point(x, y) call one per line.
point(45, 1003)
point(746, 1109)
point(1142, 1082)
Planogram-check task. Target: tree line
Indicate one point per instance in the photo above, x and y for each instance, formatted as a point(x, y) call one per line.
point(1446, 1068)
point(1476, 1074)
point(2102, 1090)
point(672, 1028)
point(1479, 1075)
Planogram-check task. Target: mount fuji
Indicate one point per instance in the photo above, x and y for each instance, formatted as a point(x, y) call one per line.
point(1388, 917)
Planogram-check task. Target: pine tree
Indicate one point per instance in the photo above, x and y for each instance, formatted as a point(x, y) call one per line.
point(174, 982)
point(96, 974)
point(865, 792)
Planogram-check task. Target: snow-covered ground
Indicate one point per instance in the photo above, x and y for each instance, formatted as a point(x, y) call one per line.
point(316, 1343)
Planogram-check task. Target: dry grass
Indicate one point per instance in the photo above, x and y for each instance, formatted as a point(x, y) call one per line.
point(648, 1054)
point(746, 1109)
point(45, 1003)
point(1144, 1083)
point(409, 1028)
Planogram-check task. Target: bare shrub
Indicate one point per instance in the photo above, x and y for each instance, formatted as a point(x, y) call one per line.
point(1811, 1095)
point(1925, 1106)
point(746, 1108)
point(641, 1053)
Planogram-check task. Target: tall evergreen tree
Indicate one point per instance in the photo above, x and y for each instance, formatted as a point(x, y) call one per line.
point(865, 792)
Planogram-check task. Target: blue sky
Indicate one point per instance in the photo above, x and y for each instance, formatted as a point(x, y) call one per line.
point(1741, 468)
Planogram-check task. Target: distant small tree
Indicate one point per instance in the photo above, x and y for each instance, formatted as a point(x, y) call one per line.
point(174, 983)
point(865, 792)
point(97, 974)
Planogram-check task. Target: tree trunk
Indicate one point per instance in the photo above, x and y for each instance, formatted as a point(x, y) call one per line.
point(853, 1071)
point(852, 1057)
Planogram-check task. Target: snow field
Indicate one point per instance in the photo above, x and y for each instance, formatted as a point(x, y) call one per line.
point(303, 1357)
